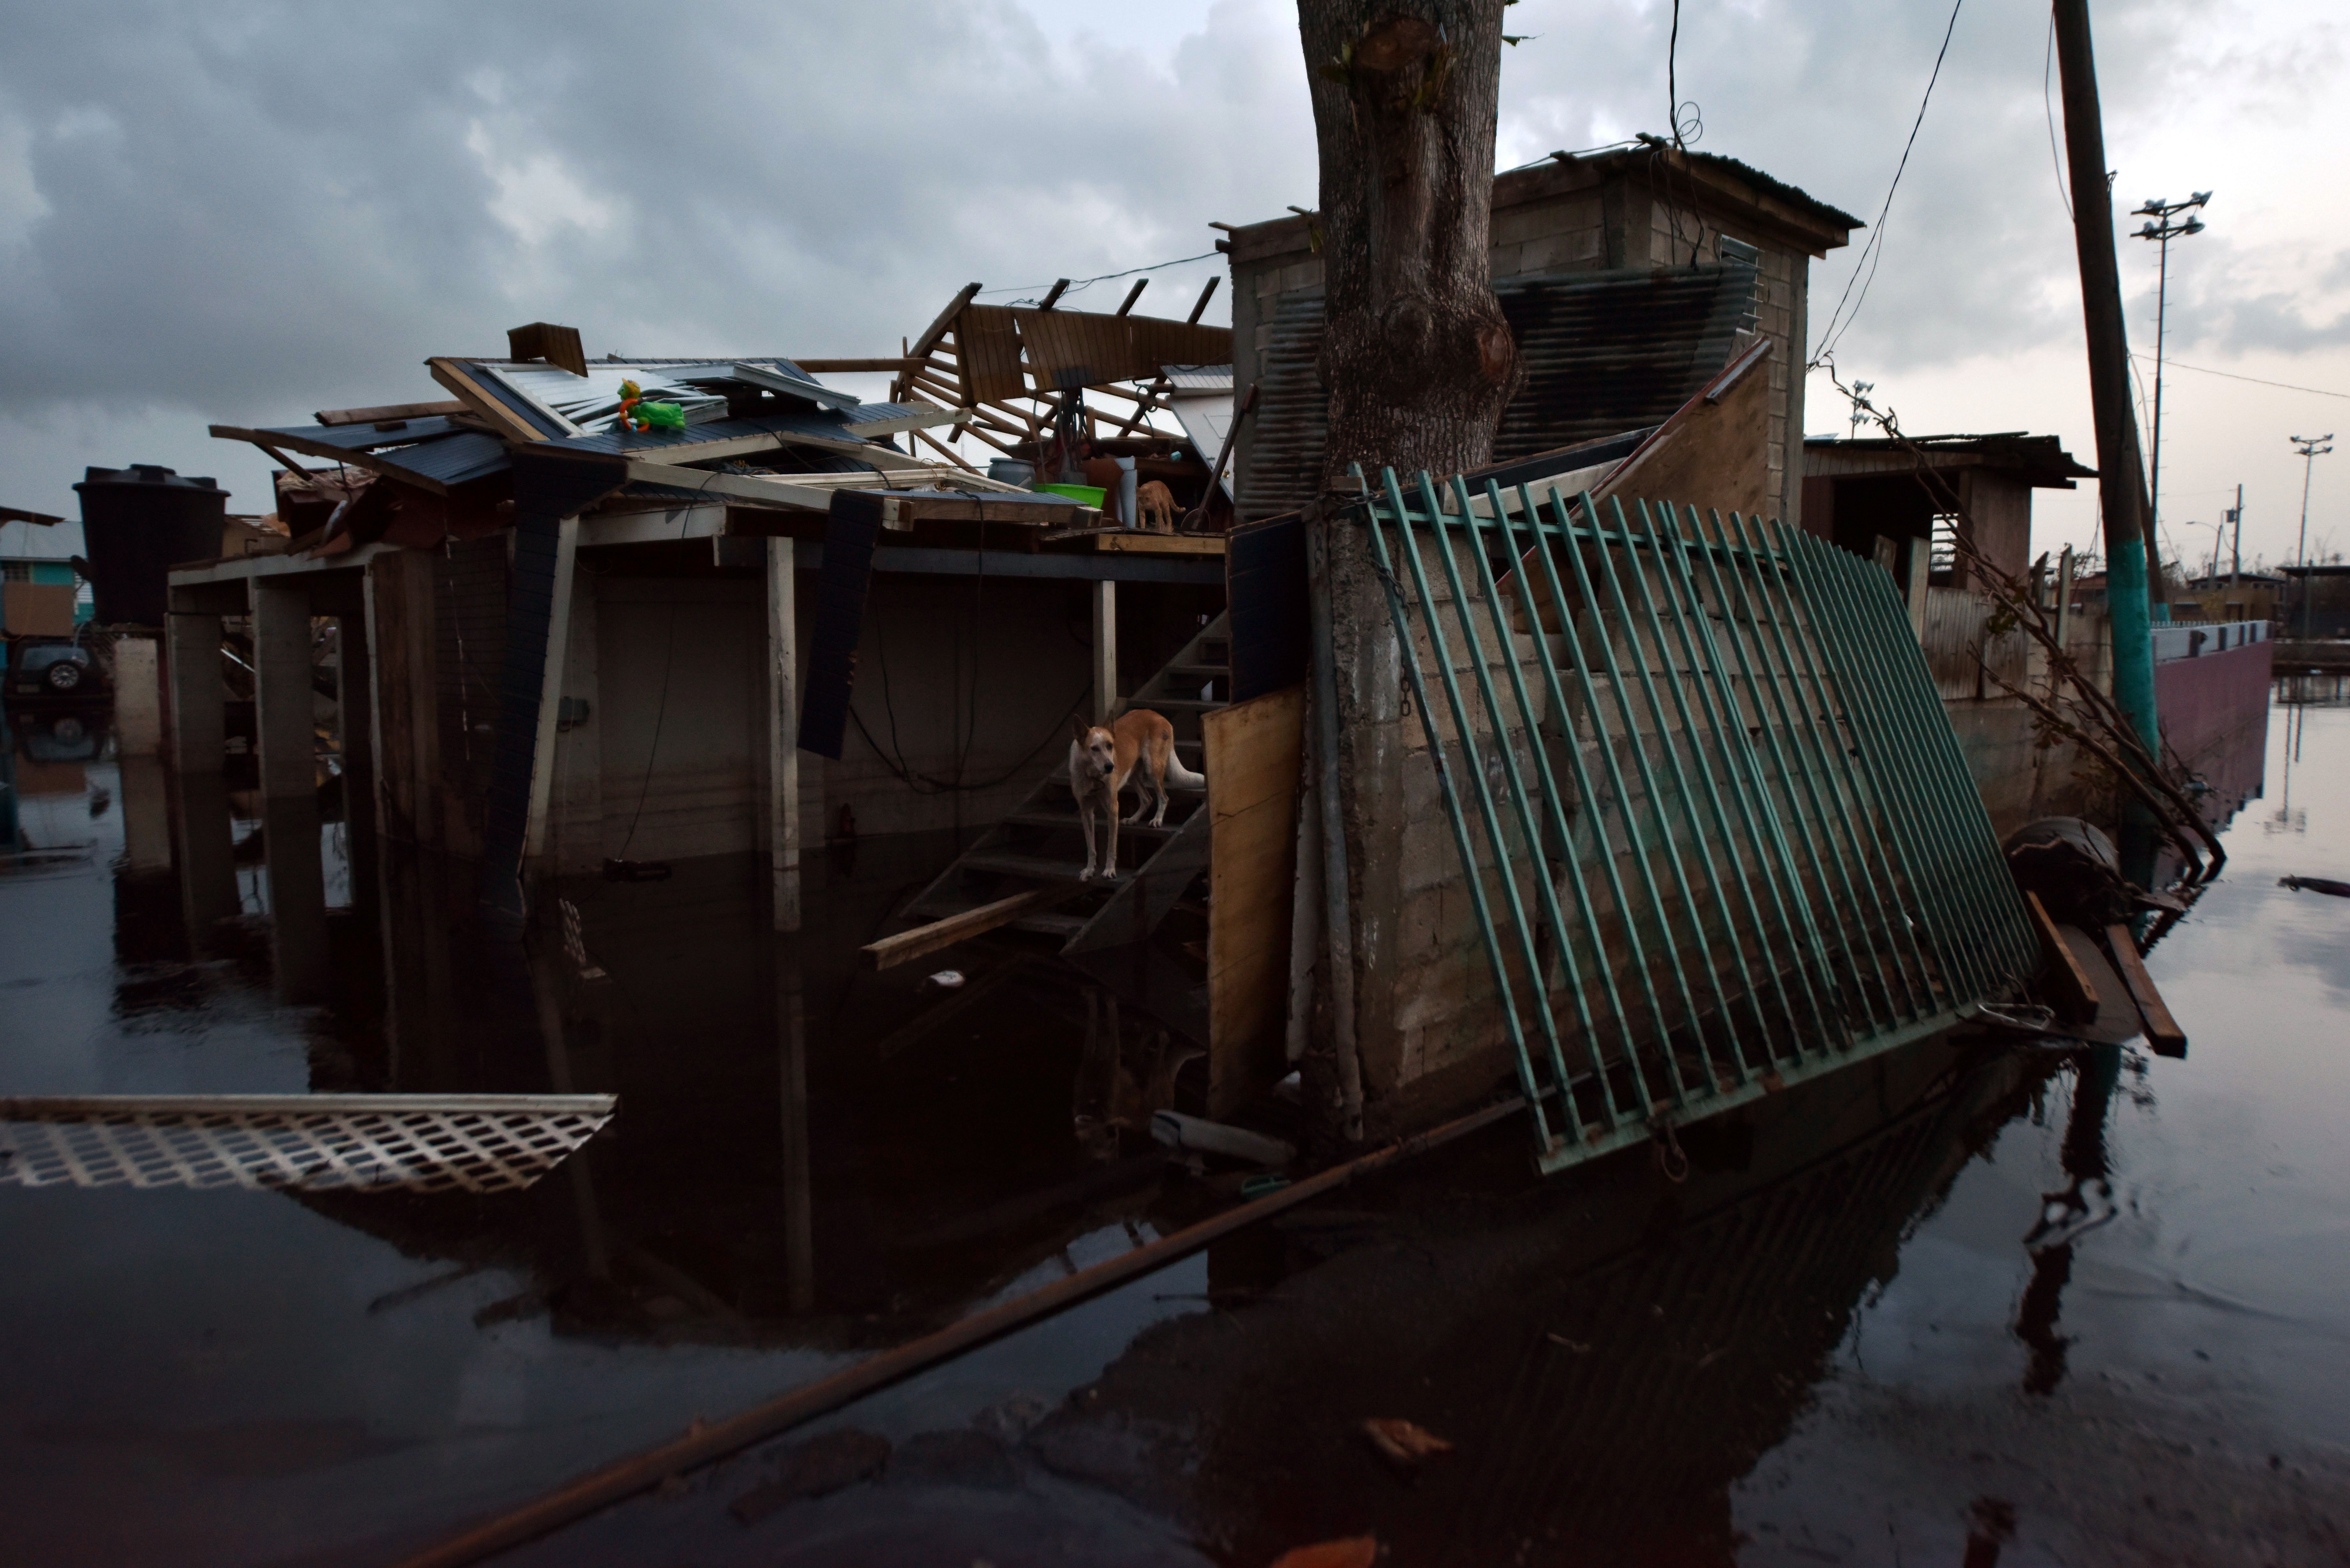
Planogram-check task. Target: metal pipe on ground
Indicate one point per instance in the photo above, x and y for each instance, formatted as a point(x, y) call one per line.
point(715, 1440)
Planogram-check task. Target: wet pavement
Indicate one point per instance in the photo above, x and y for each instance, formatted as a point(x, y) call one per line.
point(1962, 1304)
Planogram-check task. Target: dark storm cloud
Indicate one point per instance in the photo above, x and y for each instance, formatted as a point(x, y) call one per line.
point(244, 210)
point(253, 209)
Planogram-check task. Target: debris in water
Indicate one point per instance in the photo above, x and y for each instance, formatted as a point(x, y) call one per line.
point(2315, 885)
point(1354, 1552)
point(1202, 1136)
point(1403, 1443)
point(820, 1465)
point(947, 979)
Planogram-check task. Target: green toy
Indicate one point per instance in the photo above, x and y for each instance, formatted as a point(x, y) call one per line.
point(636, 414)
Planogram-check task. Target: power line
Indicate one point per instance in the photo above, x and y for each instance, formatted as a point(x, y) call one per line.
point(1874, 250)
point(1105, 277)
point(2255, 380)
point(2048, 108)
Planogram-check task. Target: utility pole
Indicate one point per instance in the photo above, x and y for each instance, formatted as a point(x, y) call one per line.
point(2120, 486)
point(2311, 448)
point(2158, 215)
point(2236, 516)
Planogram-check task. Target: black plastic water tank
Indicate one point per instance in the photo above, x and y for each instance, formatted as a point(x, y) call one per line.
point(138, 522)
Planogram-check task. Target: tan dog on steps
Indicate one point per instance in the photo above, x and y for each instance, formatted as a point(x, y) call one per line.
point(1103, 757)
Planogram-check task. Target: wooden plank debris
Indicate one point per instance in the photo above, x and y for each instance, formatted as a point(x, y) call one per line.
point(2069, 985)
point(388, 413)
point(558, 345)
point(2162, 1031)
point(907, 946)
point(1254, 756)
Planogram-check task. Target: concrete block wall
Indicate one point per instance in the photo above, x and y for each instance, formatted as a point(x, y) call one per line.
point(1429, 1022)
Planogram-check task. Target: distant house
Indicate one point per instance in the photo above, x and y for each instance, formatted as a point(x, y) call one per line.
point(1887, 499)
point(36, 552)
point(2228, 597)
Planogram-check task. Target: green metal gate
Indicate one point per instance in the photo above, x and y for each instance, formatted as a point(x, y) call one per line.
point(1717, 832)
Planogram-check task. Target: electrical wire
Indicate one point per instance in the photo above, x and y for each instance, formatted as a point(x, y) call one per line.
point(924, 783)
point(1673, 81)
point(1562, 155)
point(2255, 380)
point(2048, 106)
point(1875, 250)
point(1085, 283)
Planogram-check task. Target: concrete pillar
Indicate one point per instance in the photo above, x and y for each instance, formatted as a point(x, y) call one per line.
point(137, 698)
point(198, 693)
point(284, 714)
point(782, 770)
point(145, 795)
point(206, 849)
point(1105, 651)
point(284, 720)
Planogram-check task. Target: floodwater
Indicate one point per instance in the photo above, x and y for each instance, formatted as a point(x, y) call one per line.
point(1964, 1305)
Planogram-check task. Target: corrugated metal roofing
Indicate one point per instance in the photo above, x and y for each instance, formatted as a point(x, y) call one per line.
point(1197, 378)
point(677, 446)
point(433, 448)
point(1604, 352)
point(562, 404)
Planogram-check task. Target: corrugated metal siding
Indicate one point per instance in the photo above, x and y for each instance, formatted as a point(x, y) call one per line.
point(1956, 624)
point(1604, 352)
point(1293, 412)
point(1612, 351)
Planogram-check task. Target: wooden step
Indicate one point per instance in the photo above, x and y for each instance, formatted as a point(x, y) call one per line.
point(1050, 925)
point(1182, 704)
point(1204, 672)
point(1036, 868)
point(1069, 819)
point(1060, 785)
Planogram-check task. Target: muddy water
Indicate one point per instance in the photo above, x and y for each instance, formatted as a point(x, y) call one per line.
point(1961, 1305)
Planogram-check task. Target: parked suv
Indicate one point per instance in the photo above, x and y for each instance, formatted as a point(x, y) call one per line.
point(57, 669)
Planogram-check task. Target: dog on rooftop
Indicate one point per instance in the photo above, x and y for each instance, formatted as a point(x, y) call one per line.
point(1139, 747)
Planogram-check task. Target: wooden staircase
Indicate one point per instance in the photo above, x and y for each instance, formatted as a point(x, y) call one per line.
point(1042, 844)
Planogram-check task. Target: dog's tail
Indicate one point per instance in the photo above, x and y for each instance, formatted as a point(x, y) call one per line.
point(1180, 776)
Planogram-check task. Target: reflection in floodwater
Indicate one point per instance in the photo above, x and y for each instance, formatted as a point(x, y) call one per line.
point(814, 1162)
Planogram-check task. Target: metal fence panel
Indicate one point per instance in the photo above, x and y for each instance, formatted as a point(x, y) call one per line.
point(1716, 833)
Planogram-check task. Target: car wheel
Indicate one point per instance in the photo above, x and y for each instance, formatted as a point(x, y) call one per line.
point(63, 676)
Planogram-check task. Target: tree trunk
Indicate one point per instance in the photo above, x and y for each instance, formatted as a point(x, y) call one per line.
point(1417, 355)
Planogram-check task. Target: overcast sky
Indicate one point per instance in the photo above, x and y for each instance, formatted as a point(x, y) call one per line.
point(245, 212)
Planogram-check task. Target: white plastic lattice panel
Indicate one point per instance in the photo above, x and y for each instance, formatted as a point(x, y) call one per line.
point(415, 1143)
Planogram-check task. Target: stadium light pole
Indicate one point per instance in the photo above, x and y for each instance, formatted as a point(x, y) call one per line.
point(2162, 227)
point(2311, 448)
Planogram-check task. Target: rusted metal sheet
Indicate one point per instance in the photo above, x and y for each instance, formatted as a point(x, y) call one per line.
point(987, 353)
point(1085, 348)
point(1959, 646)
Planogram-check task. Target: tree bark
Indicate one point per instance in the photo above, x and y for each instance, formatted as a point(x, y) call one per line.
point(1416, 353)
